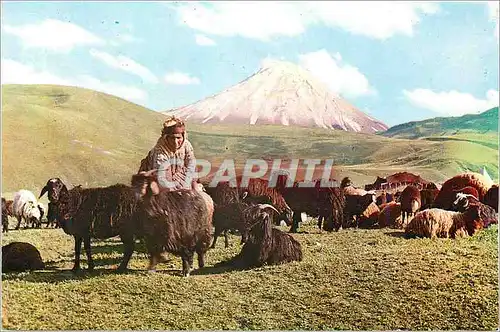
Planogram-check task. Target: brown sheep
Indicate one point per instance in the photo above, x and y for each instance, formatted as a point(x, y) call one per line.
point(369, 217)
point(446, 195)
point(21, 256)
point(331, 205)
point(390, 215)
point(434, 223)
point(178, 222)
point(491, 197)
point(427, 197)
point(410, 202)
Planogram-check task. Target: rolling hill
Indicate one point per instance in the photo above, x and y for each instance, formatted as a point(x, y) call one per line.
point(94, 139)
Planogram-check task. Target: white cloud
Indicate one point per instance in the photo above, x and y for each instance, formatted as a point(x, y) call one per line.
point(204, 40)
point(379, 20)
point(452, 103)
point(340, 77)
point(178, 78)
point(493, 8)
point(14, 72)
point(126, 64)
point(54, 35)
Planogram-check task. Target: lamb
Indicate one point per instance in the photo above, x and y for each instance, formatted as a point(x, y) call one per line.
point(435, 222)
point(491, 197)
point(446, 195)
point(25, 207)
point(265, 244)
point(95, 213)
point(390, 215)
point(179, 222)
point(21, 256)
point(410, 202)
point(487, 214)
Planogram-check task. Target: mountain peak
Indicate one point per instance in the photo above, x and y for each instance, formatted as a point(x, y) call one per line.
point(281, 92)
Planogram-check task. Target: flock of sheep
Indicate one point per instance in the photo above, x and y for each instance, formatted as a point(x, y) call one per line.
point(185, 222)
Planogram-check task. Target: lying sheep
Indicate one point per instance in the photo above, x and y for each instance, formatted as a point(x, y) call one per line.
point(487, 214)
point(447, 194)
point(433, 223)
point(491, 197)
point(21, 256)
point(390, 216)
point(265, 244)
point(25, 207)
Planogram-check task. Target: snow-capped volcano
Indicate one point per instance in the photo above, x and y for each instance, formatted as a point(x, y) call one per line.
point(280, 93)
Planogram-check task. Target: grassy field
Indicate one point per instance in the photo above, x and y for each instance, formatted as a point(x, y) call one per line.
point(93, 139)
point(353, 279)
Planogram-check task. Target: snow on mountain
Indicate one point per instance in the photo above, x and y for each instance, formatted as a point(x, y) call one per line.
point(280, 93)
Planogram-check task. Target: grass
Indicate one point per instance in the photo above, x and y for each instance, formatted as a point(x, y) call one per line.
point(353, 279)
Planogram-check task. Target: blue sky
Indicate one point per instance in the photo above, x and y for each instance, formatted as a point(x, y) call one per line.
point(395, 61)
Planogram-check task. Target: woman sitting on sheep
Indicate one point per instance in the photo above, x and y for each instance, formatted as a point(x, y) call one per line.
point(173, 157)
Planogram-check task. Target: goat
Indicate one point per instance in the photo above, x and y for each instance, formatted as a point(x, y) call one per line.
point(179, 222)
point(100, 213)
point(265, 244)
point(21, 256)
point(230, 216)
point(25, 207)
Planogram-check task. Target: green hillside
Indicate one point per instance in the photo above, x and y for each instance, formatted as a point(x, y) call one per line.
point(485, 123)
point(90, 138)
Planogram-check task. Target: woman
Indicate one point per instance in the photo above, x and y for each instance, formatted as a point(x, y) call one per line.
point(173, 157)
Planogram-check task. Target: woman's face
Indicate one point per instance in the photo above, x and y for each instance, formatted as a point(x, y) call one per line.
point(175, 140)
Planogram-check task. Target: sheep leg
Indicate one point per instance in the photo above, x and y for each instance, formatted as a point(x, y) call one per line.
point(153, 260)
point(128, 250)
point(320, 222)
point(187, 263)
point(18, 222)
point(78, 249)
point(216, 235)
point(295, 223)
point(226, 238)
point(86, 244)
point(201, 258)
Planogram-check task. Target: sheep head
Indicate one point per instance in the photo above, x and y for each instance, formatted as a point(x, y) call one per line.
point(461, 201)
point(53, 188)
point(145, 183)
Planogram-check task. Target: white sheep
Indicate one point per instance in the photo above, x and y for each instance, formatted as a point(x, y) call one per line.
point(434, 223)
point(25, 207)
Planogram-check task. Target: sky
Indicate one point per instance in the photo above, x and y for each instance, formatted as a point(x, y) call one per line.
point(396, 61)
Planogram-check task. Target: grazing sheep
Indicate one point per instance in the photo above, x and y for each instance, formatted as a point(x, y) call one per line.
point(434, 223)
point(332, 209)
point(21, 256)
point(390, 215)
point(487, 214)
point(427, 197)
point(491, 197)
point(265, 244)
point(178, 222)
point(410, 202)
point(95, 213)
point(355, 206)
point(25, 207)
point(446, 195)
point(224, 193)
point(231, 216)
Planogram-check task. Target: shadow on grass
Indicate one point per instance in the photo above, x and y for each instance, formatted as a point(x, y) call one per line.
point(399, 234)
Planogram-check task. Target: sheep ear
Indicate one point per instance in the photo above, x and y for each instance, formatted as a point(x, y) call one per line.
point(154, 188)
point(44, 190)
